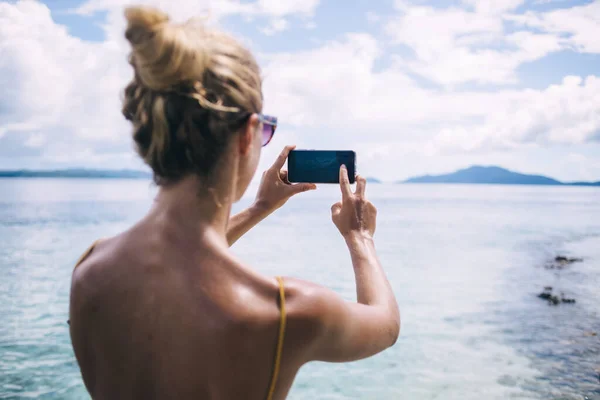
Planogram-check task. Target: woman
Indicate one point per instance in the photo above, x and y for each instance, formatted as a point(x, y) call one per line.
point(164, 310)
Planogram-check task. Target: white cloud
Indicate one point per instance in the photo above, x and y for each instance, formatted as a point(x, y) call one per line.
point(81, 155)
point(179, 10)
point(493, 6)
point(19, 127)
point(454, 46)
point(212, 11)
point(59, 83)
point(216, 9)
point(275, 26)
point(69, 88)
point(336, 86)
point(36, 140)
point(588, 169)
point(579, 26)
point(568, 113)
point(282, 8)
point(550, 1)
point(62, 93)
point(314, 87)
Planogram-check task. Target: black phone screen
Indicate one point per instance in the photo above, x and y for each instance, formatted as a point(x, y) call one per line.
point(320, 166)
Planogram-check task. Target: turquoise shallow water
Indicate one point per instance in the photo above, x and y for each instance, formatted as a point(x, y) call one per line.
point(466, 263)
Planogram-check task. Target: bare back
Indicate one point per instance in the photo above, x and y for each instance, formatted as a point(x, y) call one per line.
point(154, 318)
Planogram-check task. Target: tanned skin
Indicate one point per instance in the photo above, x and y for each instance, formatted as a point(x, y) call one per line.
point(165, 311)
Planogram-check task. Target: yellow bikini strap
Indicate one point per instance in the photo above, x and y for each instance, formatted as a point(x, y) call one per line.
point(87, 253)
point(83, 257)
point(279, 339)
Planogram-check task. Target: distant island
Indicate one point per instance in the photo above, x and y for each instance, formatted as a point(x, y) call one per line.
point(471, 175)
point(370, 179)
point(77, 173)
point(91, 174)
point(493, 175)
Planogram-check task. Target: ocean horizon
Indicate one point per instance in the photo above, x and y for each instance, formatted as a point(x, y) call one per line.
point(481, 175)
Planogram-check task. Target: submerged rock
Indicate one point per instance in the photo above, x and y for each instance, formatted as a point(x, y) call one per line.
point(547, 295)
point(554, 299)
point(567, 260)
point(561, 262)
point(565, 299)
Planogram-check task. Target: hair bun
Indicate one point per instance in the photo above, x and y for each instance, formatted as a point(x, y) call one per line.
point(142, 23)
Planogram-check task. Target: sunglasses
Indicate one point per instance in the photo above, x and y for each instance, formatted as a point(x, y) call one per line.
point(268, 128)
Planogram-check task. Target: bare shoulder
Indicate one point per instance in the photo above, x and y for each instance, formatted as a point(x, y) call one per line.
point(307, 300)
point(91, 258)
point(309, 306)
point(91, 271)
point(83, 288)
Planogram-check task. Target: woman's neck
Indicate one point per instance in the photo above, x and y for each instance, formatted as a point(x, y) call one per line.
point(194, 206)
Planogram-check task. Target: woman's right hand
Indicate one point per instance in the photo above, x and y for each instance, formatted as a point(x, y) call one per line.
point(354, 214)
point(349, 331)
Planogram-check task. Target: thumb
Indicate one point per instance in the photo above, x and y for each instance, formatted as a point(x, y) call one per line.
point(283, 175)
point(336, 208)
point(303, 187)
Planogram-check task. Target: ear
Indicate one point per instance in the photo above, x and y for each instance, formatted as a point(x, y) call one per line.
point(246, 135)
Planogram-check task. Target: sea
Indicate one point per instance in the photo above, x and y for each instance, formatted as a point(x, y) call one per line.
point(466, 262)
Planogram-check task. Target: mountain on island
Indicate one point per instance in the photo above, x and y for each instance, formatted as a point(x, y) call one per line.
point(370, 179)
point(493, 175)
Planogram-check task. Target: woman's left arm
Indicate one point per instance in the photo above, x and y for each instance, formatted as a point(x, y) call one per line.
point(274, 191)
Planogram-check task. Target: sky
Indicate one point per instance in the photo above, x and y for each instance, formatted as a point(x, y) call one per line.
point(413, 86)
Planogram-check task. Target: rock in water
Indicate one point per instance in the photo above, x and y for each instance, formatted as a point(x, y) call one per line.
point(565, 299)
point(567, 260)
point(561, 262)
point(546, 294)
point(553, 299)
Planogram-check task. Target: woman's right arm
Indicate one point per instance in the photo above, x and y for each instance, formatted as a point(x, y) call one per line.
point(354, 330)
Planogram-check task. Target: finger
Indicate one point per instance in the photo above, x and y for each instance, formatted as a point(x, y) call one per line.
point(336, 208)
point(280, 161)
point(345, 183)
point(361, 184)
point(283, 175)
point(303, 187)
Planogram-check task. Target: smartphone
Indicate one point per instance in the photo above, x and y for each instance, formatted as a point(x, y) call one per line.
point(320, 166)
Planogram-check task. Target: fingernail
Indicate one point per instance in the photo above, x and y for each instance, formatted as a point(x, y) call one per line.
point(343, 166)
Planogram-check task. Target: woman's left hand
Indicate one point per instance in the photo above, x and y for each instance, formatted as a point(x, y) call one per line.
point(275, 189)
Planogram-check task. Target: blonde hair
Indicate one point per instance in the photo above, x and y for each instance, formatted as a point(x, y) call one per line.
point(193, 88)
